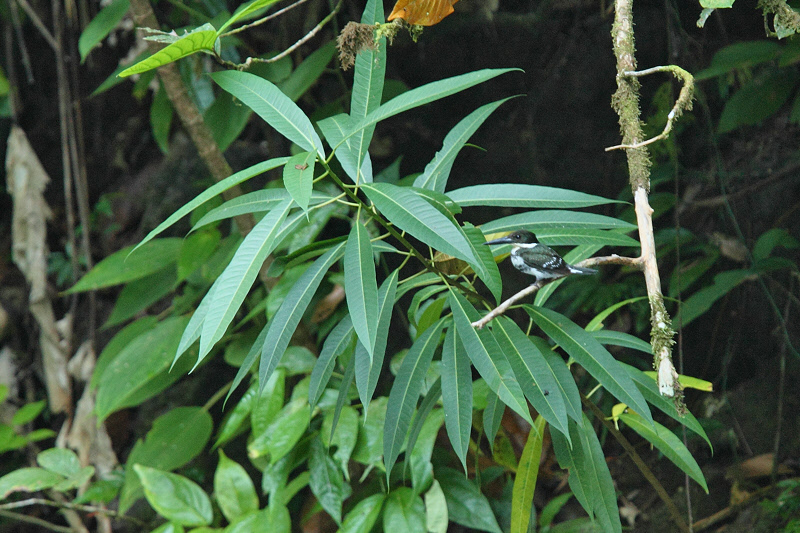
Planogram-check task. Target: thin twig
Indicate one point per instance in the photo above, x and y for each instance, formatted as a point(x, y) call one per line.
point(38, 521)
point(683, 103)
point(640, 464)
point(265, 19)
point(38, 23)
point(776, 448)
point(724, 514)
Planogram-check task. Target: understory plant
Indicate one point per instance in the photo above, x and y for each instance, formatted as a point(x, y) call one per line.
point(353, 345)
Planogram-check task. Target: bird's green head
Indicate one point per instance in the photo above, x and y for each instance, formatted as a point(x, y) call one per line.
point(520, 236)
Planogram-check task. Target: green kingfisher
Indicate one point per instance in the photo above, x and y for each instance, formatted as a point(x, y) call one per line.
point(536, 259)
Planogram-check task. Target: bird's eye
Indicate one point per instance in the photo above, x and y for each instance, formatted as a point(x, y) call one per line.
point(516, 236)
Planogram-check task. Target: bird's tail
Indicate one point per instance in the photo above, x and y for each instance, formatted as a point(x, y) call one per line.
point(581, 270)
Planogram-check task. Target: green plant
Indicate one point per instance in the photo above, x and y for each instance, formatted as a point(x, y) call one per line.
point(297, 407)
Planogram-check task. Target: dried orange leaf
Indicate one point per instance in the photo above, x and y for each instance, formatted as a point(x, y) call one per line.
point(422, 12)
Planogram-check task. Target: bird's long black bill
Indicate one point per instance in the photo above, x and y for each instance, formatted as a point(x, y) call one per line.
point(501, 240)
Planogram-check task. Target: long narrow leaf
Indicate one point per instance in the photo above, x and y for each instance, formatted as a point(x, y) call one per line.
point(525, 480)
point(214, 190)
point(532, 371)
point(669, 444)
point(291, 312)
point(411, 213)
point(200, 39)
point(425, 407)
point(438, 170)
point(244, 11)
point(338, 340)
point(457, 394)
point(602, 493)
point(492, 416)
point(236, 280)
point(487, 356)
point(369, 370)
point(530, 196)
point(554, 219)
point(273, 106)
point(591, 355)
point(425, 94)
point(361, 287)
point(405, 393)
point(564, 380)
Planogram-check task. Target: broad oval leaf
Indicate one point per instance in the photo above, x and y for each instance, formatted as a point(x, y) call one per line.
point(298, 177)
point(591, 355)
point(403, 511)
point(361, 286)
point(326, 481)
point(199, 40)
point(530, 196)
point(438, 170)
point(405, 393)
point(273, 106)
point(411, 213)
point(176, 498)
point(234, 490)
point(28, 480)
point(487, 356)
point(363, 515)
point(466, 505)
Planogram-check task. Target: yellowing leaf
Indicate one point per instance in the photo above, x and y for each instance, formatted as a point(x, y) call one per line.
point(422, 12)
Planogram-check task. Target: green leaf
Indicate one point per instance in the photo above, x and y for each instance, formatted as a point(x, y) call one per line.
point(367, 369)
point(576, 236)
point(101, 25)
point(245, 11)
point(28, 480)
point(591, 355)
point(226, 119)
point(530, 196)
point(308, 72)
point(233, 488)
point(196, 41)
point(285, 321)
point(619, 338)
point(175, 497)
point(525, 480)
point(742, 56)
point(551, 509)
point(597, 322)
point(534, 375)
point(361, 287)
point(26, 413)
point(436, 517)
point(334, 129)
point(363, 515)
point(337, 342)
point(234, 421)
point(771, 239)
point(589, 477)
point(344, 437)
point(369, 447)
point(486, 266)
point(649, 390)
point(487, 356)
point(438, 170)
point(268, 404)
point(211, 192)
point(344, 393)
point(298, 178)
point(701, 301)
point(140, 294)
point(326, 481)
point(465, 503)
point(283, 433)
point(564, 380)
point(118, 342)
point(492, 416)
point(408, 211)
point(125, 265)
point(405, 393)
point(425, 94)
point(273, 106)
point(161, 118)
point(191, 426)
point(457, 394)
point(422, 437)
point(554, 219)
point(404, 511)
point(236, 280)
point(758, 99)
point(141, 369)
point(59, 460)
point(669, 444)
